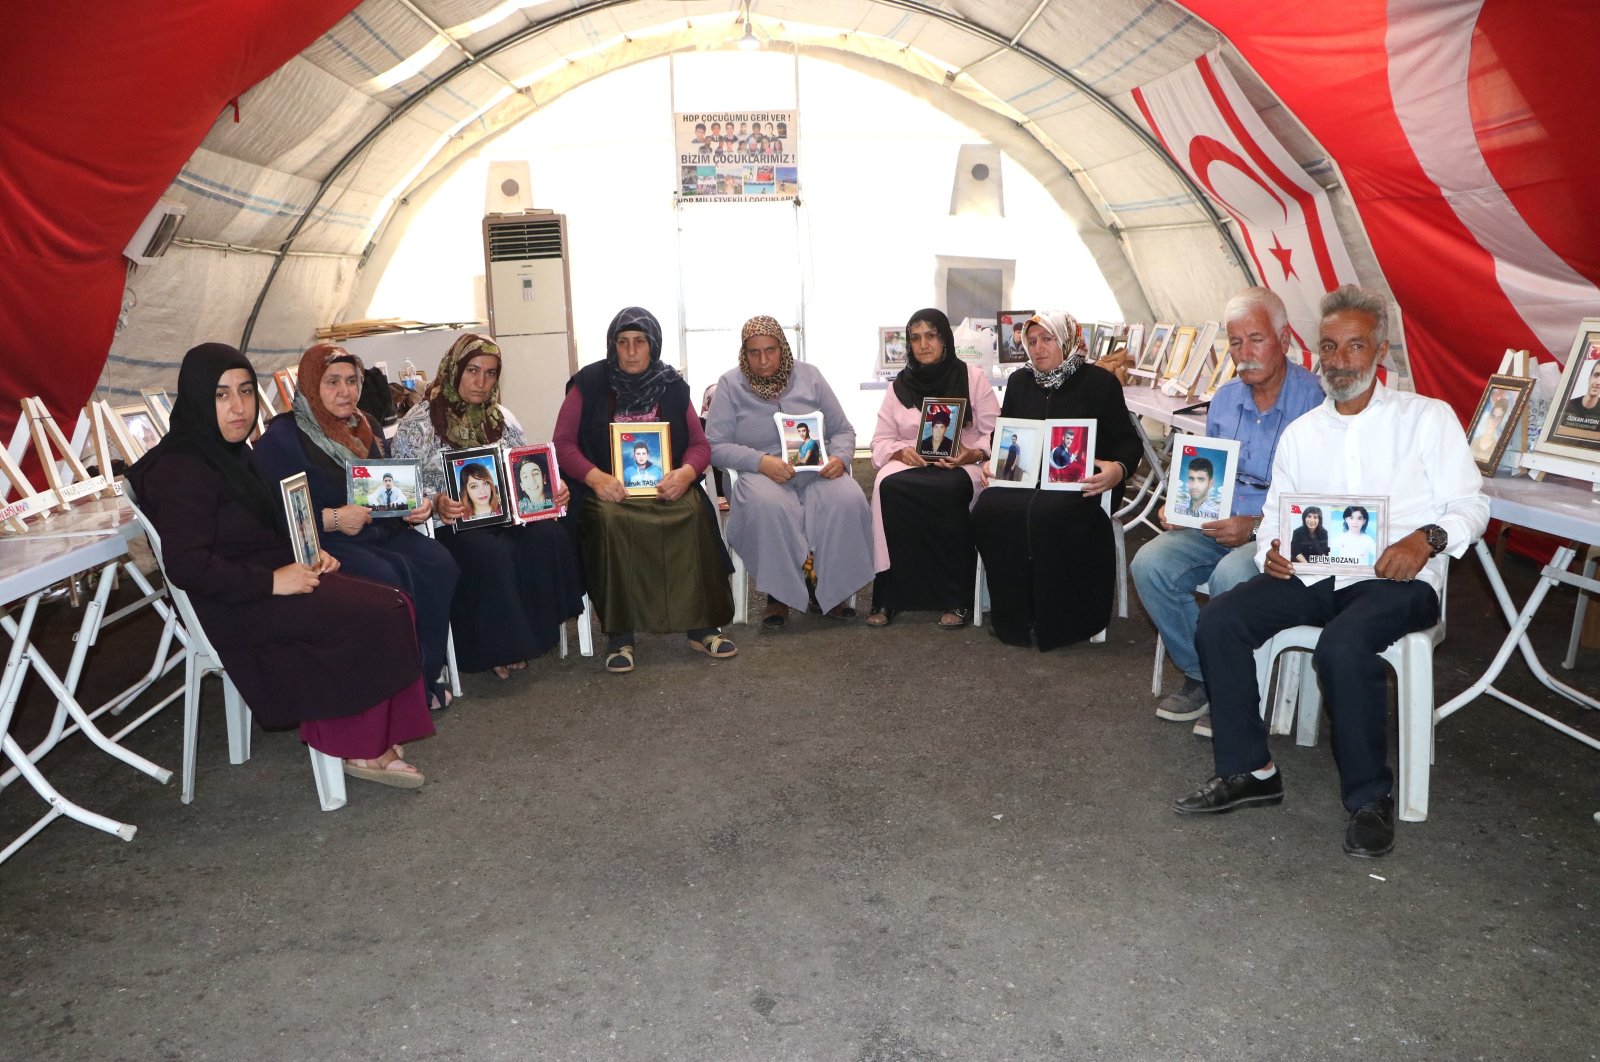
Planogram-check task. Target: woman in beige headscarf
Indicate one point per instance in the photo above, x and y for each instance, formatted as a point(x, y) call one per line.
point(782, 512)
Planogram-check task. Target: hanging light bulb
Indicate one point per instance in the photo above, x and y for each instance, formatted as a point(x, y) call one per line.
point(748, 42)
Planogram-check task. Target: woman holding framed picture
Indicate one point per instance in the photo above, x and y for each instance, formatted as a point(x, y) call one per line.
point(778, 515)
point(654, 563)
point(307, 645)
point(922, 539)
point(519, 582)
point(1049, 554)
point(320, 436)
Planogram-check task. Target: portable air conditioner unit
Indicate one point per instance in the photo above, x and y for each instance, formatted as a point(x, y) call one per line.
point(530, 313)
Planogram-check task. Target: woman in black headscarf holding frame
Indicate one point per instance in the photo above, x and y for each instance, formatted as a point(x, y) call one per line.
point(922, 542)
point(303, 645)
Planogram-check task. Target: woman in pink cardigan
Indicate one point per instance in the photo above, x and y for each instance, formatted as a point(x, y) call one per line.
point(923, 548)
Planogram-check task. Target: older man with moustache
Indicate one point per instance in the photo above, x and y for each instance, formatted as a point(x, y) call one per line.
point(1254, 409)
point(1368, 440)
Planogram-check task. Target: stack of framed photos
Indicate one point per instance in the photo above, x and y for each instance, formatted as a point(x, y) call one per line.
point(1048, 454)
point(802, 442)
point(1569, 441)
point(1200, 485)
point(1193, 356)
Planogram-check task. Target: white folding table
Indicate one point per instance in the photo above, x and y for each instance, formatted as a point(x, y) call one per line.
point(93, 536)
point(1159, 406)
point(1568, 510)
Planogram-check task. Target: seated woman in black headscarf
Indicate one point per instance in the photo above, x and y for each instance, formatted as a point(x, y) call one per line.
point(519, 582)
point(318, 436)
point(1049, 556)
point(922, 542)
point(308, 645)
point(653, 563)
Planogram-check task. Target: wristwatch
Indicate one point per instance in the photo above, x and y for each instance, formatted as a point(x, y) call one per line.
point(1438, 538)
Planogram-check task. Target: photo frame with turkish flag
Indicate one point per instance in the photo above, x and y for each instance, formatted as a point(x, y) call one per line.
point(939, 429)
point(1572, 427)
point(385, 488)
point(1200, 483)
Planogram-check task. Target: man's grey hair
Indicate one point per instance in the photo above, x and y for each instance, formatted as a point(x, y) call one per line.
point(1349, 297)
point(1263, 299)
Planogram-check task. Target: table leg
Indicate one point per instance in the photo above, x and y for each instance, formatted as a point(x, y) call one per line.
point(1517, 639)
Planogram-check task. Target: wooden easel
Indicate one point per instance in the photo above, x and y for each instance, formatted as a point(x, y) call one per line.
point(105, 428)
point(14, 514)
point(47, 434)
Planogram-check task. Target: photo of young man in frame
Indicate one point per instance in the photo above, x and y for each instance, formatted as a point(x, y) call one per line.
point(939, 432)
point(641, 454)
point(385, 488)
point(1068, 446)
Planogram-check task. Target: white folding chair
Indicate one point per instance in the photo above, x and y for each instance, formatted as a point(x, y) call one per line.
point(1591, 559)
point(200, 659)
point(1297, 692)
point(980, 592)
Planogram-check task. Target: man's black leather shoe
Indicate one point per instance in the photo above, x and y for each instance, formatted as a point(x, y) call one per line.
point(1371, 829)
point(1234, 791)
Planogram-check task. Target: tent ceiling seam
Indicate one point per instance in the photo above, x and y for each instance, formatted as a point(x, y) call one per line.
point(910, 7)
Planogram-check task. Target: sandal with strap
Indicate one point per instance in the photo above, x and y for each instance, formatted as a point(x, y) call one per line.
point(396, 772)
point(881, 617)
point(620, 661)
point(961, 619)
point(715, 646)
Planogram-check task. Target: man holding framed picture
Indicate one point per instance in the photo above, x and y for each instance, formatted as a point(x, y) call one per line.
point(1254, 408)
point(1364, 440)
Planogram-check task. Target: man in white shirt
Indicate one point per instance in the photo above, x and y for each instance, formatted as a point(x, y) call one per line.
point(1364, 439)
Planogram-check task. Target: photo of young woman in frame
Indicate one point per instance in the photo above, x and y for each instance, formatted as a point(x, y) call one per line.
point(534, 477)
point(1334, 534)
point(1498, 425)
point(476, 476)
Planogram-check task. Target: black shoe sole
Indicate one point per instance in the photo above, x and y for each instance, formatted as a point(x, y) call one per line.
point(1367, 853)
point(1266, 800)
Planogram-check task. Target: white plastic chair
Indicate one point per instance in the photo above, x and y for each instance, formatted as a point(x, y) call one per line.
point(980, 592)
point(1412, 660)
point(200, 659)
point(739, 580)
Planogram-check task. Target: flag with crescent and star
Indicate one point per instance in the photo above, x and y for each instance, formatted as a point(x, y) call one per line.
point(1203, 120)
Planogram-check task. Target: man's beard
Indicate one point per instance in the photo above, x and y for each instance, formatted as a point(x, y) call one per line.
point(1342, 385)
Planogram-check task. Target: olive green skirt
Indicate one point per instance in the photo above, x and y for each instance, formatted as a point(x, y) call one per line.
point(655, 565)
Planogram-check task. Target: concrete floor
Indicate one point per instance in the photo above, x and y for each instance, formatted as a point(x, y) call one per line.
point(844, 844)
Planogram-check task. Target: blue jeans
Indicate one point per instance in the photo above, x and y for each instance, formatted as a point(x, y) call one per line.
point(1168, 568)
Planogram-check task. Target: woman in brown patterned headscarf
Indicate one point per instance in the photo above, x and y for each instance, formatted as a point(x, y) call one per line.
point(519, 582)
point(320, 436)
point(780, 513)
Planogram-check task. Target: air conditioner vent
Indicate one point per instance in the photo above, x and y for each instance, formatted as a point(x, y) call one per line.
point(522, 240)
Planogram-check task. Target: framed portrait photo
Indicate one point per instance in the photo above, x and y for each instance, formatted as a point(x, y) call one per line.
point(141, 429)
point(535, 477)
point(1202, 357)
point(1200, 486)
point(1333, 534)
point(1018, 447)
point(1572, 427)
point(1013, 345)
point(1068, 454)
point(804, 446)
point(939, 429)
point(641, 453)
point(302, 518)
point(385, 488)
point(892, 350)
point(1106, 334)
point(1499, 424)
point(159, 403)
point(476, 476)
point(1178, 348)
point(1225, 371)
point(1148, 364)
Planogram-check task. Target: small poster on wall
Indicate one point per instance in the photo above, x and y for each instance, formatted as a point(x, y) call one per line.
point(737, 156)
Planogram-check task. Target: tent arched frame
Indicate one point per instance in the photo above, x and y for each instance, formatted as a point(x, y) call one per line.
point(480, 59)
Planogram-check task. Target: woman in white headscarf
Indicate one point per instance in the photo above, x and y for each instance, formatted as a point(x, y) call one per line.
point(1049, 555)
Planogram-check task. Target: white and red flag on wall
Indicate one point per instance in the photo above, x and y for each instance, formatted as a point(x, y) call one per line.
point(1209, 128)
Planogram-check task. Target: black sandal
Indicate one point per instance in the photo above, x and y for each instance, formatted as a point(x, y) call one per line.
point(961, 620)
point(886, 613)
